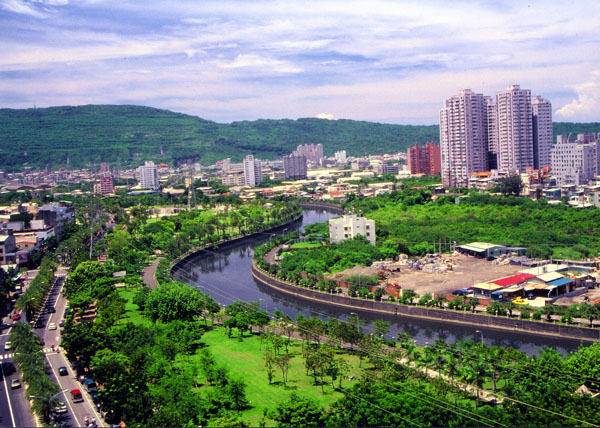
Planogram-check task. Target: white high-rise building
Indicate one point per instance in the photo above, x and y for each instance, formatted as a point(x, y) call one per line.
point(463, 137)
point(542, 132)
point(252, 171)
point(340, 156)
point(148, 176)
point(575, 162)
point(515, 130)
point(492, 130)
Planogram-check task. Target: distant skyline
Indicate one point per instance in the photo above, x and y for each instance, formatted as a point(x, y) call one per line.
point(381, 61)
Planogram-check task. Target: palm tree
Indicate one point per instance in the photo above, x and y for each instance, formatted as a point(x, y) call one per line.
point(473, 301)
point(477, 371)
point(44, 397)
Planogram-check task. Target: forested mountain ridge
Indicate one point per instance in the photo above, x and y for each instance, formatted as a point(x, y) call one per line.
point(125, 135)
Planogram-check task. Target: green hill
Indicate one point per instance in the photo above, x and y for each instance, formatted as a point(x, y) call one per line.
point(128, 135)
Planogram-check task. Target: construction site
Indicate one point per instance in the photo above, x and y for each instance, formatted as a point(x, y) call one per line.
point(436, 274)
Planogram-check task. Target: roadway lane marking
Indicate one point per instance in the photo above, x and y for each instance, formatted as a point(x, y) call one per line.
point(65, 397)
point(12, 416)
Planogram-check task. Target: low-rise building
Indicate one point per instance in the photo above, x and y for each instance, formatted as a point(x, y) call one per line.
point(349, 226)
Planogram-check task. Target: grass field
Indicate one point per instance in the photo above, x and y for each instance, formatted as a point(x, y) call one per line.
point(306, 245)
point(132, 311)
point(244, 360)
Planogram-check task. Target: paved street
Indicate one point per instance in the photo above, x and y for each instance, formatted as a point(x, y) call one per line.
point(14, 407)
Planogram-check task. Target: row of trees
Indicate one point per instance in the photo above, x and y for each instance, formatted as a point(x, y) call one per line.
point(33, 298)
point(29, 357)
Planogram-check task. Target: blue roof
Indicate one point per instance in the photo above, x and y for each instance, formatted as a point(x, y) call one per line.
point(560, 281)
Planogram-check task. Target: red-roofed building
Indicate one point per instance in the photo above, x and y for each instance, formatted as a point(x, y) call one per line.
point(515, 279)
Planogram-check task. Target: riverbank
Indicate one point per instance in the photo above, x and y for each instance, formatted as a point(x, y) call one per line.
point(182, 259)
point(476, 320)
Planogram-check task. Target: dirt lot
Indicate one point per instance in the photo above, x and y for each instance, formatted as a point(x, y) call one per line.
point(466, 271)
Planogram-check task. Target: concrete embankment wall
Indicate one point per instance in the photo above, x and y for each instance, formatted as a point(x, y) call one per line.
point(322, 206)
point(457, 317)
point(184, 257)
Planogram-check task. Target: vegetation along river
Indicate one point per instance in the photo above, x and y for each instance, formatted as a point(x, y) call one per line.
point(225, 274)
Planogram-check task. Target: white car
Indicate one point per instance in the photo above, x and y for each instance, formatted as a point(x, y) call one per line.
point(7, 346)
point(15, 383)
point(52, 326)
point(59, 408)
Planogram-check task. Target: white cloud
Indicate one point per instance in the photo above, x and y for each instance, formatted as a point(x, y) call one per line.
point(257, 61)
point(587, 105)
point(21, 7)
point(327, 116)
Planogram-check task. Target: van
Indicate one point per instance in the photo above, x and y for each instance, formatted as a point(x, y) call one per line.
point(90, 385)
point(76, 396)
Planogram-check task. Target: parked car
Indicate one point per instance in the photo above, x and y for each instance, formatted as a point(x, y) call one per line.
point(62, 371)
point(52, 326)
point(59, 408)
point(90, 385)
point(61, 323)
point(51, 309)
point(16, 316)
point(15, 383)
point(7, 346)
point(76, 396)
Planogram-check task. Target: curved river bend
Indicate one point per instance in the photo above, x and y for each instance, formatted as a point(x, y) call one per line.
point(225, 275)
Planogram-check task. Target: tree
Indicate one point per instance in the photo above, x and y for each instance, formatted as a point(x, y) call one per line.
point(591, 312)
point(236, 389)
point(298, 411)
point(511, 185)
point(381, 328)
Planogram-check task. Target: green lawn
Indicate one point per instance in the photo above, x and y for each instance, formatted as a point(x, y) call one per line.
point(306, 245)
point(244, 360)
point(132, 311)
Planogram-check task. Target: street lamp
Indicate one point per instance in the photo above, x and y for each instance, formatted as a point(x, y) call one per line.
point(357, 321)
point(480, 332)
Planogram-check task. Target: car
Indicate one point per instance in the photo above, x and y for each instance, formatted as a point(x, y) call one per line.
point(59, 408)
point(61, 323)
point(62, 370)
point(76, 396)
point(461, 292)
point(15, 383)
point(16, 316)
point(7, 346)
point(51, 309)
point(52, 326)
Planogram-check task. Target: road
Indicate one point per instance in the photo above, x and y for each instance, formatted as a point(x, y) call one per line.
point(14, 407)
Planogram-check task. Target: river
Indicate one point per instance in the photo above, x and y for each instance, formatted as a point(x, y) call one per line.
point(225, 275)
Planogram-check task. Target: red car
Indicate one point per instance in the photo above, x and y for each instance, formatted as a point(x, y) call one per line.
point(16, 317)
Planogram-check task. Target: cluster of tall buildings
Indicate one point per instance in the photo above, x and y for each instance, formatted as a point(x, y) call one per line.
point(510, 133)
point(424, 160)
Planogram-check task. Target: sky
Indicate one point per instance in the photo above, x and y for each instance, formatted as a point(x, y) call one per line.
point(382, 61)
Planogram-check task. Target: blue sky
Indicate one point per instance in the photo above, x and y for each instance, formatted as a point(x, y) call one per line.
point(392, 62)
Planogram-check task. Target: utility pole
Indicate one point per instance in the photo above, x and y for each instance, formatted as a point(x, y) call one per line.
point(92, 212)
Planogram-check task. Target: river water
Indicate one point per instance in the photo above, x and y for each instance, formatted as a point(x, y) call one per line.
point(225, 275)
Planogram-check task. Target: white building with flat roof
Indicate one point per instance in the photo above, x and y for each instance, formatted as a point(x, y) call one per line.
point(349, 226)
point(148, 176)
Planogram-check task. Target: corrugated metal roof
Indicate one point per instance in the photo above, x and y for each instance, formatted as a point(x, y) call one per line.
point(550, 276)
point(478, 246)
point(515, 279)
point(487, 286)
point(559, 282)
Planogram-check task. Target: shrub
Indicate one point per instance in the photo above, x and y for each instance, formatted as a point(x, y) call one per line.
point(537, 315)
point(525, 315)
